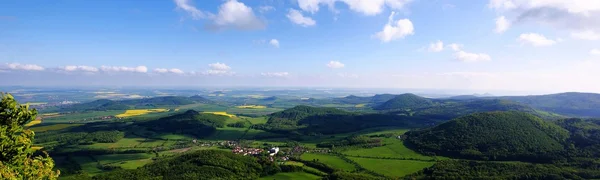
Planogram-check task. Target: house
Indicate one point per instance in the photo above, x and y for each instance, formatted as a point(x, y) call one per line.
point(273, 151)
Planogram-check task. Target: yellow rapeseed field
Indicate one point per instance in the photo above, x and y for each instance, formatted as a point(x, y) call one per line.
point(360, 105)
point(137, 112)
point(252, 107)
point(34, 122)
point(221, 113)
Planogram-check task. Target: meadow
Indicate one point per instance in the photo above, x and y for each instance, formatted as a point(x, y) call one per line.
point(333, 161)
point(222, 113)
point(81, 117)
point(251, 107)
point(390, 167)
point(52, 127)
point(394, 148)
point(138, 112)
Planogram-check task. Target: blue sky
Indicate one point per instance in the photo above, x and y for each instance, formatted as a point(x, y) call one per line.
point(482, 45)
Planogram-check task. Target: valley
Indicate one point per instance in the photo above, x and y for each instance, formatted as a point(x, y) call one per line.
point(383, 136)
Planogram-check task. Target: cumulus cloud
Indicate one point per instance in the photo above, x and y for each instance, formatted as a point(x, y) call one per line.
point(394, 30)
point(436, 47)
point(335, 65)
point(586, 35)
point(274, 43)
point(80, 68)
point(275, 74)
point(502, 24)
point(173, 70)
point(25, 67)
point(574, 15)
point(297, 18)
point(231, 14)
point(455, 47)
point(471, 57)
point(218, 69)
point(536, 40)
point(595, 52)
point(138, 69)
point(366, 7)
point(188, 7)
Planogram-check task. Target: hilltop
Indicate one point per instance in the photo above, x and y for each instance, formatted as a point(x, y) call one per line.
point(570, 103)
point(492, 135)
point(405, 102)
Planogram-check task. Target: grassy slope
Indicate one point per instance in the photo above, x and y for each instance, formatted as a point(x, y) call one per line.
point(332, 161)
point(392, 168)
point(291, 175)
point(394, 148)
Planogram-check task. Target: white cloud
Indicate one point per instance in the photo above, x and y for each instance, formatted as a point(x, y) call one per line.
point(164, 70)
point(237, 15)
point(26, 67)
point(471, 57)
point(275, 74)
point(138, 69)
point(264, 9)
point(502, 24)
point(297, 18)
point(395, 30)
point(335, 64)
point(188, 6)
point(436, 47)
point(219, 69)
point(232, 14)
point(366, 7)
point(536, 40)
point(455, 47)
point(595, 52)
point(575, 15)
point(274, 43)
point(219, 66)
point(586, 35)
point(80, 68)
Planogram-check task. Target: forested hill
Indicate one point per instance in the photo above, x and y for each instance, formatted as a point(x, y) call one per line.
point(164, 101)
point(494, 136)
point(569, 104)
point(375, 100)
point(307, 120)
point(405, 101)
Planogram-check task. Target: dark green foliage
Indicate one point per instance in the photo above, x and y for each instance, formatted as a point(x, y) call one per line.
point(449, 109)
point(204, 164)
point(585, 137)
point(461, 169)
point(570, 104)
point(494, 136)
point(97, 105)
point(74, 138)
point(364, 141)
point(191, 122)
point(405, 101)
point(315, 120)
point(239, 124)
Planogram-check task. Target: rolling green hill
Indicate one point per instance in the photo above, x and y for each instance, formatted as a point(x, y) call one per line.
point(164, 101)
point(203, 164)
point(492, 135)
point(405, 101)
point(570, 104)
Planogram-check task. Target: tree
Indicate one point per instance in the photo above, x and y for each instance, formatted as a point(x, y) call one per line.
point(16, 154)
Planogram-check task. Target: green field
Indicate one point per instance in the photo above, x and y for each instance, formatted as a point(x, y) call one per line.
point(87, 164)
point(258, 120)
point(330, 160)
point(173, 136)
point(394, 148)
point(291, 175)
point(228, 133)
point(81, 117)
point(116, 158)
point(253, 111)
point(123, 143)
point(52, 127)
point(392, 168)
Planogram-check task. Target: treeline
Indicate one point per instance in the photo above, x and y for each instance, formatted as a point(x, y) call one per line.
point(74, 138)
point(361, 140)
point(464, 169)
point(191, 122)
point(105, 104)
